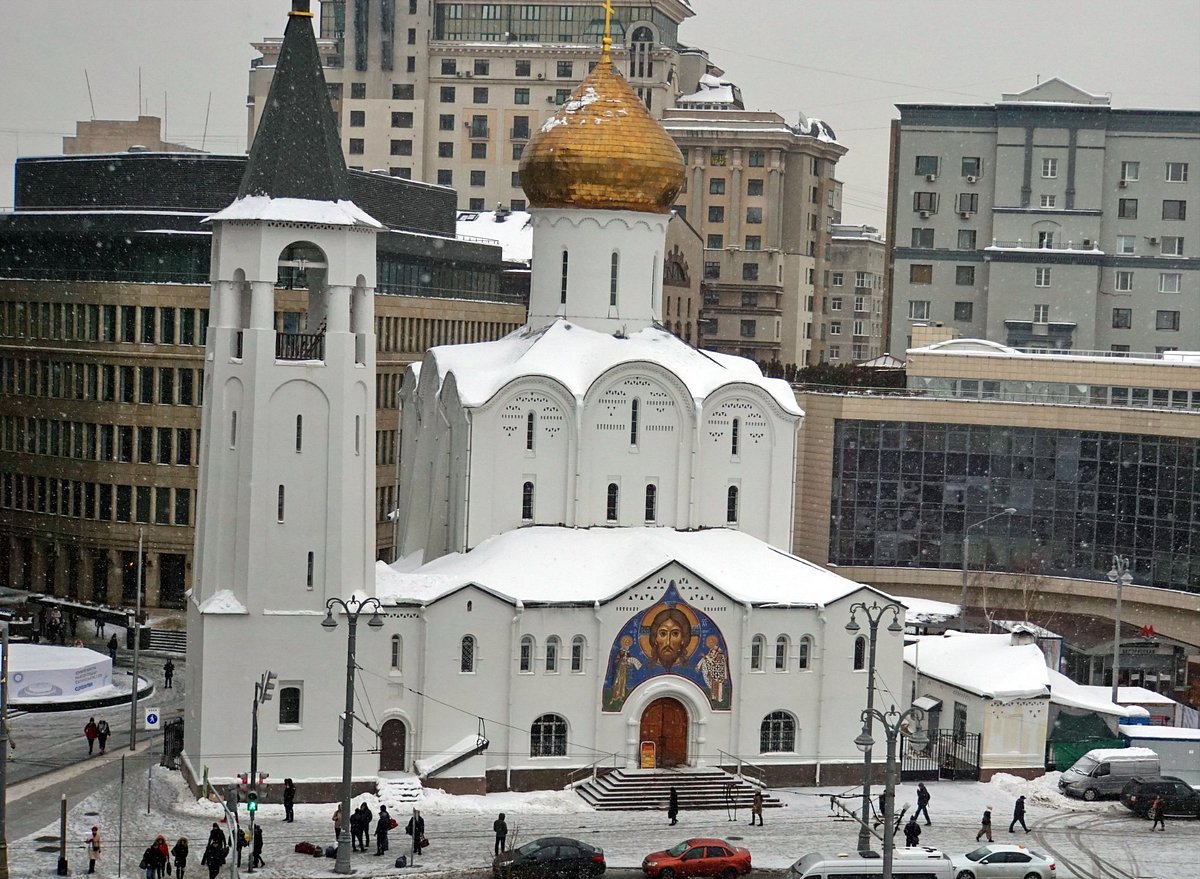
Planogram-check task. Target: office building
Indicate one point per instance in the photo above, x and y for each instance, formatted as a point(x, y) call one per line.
point(852, 312)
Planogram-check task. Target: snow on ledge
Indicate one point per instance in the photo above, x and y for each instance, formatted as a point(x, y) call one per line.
point(223, 601)
point(296, 210)
point(460, 748)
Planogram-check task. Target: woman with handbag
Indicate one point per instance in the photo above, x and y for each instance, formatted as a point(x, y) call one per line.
point(150, 862)
point(93, 847)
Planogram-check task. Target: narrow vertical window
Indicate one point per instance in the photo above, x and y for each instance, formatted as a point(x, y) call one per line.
point(633, 422)
point(613, 499)
point(612, 279)
point(733, 439)
point(299, 432)
point(860, 653)
point(525, 660)
point(397, 654)
point(279, 503)
point(233, 430)
point(527, 501)
point(357, 434)
point(577, 648)
point(552, 654)
point(562, 292)
point(651, 503)
point(731, 504)
point(530, 422)
point(309, 575)
point(466, 656)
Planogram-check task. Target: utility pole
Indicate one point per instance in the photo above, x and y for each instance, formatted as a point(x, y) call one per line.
point(137, 631)
point(4, 744)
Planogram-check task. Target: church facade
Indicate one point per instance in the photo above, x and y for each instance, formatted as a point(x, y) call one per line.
point(593, 514)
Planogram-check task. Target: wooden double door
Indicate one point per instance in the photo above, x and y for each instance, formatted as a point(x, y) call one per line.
point(393, 743)
point(665, 722)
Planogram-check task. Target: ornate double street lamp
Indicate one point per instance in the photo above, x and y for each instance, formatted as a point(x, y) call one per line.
point(1118, 574)
point(893, 723)
point(353, 609)
point(874, 613)
point(966, 560)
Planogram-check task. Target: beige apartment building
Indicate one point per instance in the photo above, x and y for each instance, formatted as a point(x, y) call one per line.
point(1047, 221)
point(763, 195)
point(450, 93)
point(853, 310)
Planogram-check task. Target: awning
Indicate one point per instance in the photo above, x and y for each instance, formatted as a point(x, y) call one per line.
point(927, 703)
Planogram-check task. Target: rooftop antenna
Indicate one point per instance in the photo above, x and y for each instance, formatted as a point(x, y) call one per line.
point(204, 136)
point(89, 88)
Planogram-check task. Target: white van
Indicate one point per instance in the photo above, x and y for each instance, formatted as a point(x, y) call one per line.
point(920, 862)
point(1104, 771)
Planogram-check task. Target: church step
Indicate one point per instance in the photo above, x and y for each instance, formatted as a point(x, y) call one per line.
point(650, 789)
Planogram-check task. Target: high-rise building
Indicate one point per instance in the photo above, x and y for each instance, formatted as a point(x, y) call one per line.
point(763, 195)
point(1047, 221)
point(450, 93)
point(852, 312)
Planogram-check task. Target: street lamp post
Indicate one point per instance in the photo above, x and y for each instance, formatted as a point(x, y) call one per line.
point(966, 558)
point(892, 722)
point(1119, 574)
point(874, 613)
point(352, 609)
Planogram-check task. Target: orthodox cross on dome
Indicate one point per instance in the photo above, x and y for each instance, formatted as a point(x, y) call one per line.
point(606, 43)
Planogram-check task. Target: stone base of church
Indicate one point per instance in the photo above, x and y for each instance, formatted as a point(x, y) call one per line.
point(306, 791)
point(806, 774)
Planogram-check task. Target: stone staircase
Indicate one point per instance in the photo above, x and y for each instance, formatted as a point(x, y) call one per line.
point(649, 789)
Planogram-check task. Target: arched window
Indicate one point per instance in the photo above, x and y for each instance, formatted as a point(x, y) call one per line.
point(530, 422)
point(633, 421)
point(733, 437)
point(758, 646)
point(552, 647)
point(397, 653)
point(299, 432)
point(525, 660)
point(777, 733)
point(562, 293)
point(781, 653)
point(548, 736)
point(804, 652)
point(641, 53)
point(860, 653)
point(289, 706)
point(466, 659)
point(578, 647)
point(614, 266)
point(613, 499)
point(731, 505)
point(527, 502)
point(651, 502)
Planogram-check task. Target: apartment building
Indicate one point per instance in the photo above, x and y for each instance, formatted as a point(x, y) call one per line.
point(855, 303)
point(104, 314)
point(1047, 221)
point(763, 195)
point(449, 93)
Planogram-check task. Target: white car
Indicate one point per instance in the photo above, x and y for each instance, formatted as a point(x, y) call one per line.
point(1000, 861)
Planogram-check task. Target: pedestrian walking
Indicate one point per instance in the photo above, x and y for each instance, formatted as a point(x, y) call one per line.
point(243, 840)
point(756, 806)
point(337, 824)
point(164, 862)
point(416, 829)
point(289, 800)
point(90, 732)
point(673, 807)
point(216, 836)
point(1018, 816)
point(99, 627)
point(1158, 809)
point(151, 861)
point(93, 848)
point(922, 803)
point(112, 647)
point(985, 827)
point(500, 828)
point(103, 731)
point(381, 832)
point(179, 852)
point(256, 858)
point(214, 857)
point(168, 674)
point(912, 833)
point(360, 827)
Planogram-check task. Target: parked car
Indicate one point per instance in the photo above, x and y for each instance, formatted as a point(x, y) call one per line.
point(920, 862)
point(547, 857)
point(698, 857)
point(1179, 798)
point(1002, 861)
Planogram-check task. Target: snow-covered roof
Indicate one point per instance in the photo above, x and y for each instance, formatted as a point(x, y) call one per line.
point(1067, 693)
point(512, 230)
point(883, 361)
point(1167, 733)
point(296, 210)
point(576, 357)
point(713, 90)
point(988, 665)
point(925, 611)
point(1024, 626)
point(223, 601)
point(1127, 695)
point(743, 567)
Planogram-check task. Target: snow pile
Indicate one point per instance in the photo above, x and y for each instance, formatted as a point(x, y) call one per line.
point(223, 601)
point(1064, 691)
point(402, 787)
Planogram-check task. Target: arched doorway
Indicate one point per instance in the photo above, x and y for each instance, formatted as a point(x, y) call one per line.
point(665, 722)
point(392, 740)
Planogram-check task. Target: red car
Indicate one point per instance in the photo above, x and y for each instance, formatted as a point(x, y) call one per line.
point(698, 857)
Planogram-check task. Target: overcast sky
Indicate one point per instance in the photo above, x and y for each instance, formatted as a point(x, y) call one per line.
point(846, 61)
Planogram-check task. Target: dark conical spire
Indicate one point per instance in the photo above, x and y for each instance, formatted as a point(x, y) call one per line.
point(297, 152)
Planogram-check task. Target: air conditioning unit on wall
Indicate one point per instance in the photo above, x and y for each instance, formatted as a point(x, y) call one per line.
point(972, 179)
point(931, 178)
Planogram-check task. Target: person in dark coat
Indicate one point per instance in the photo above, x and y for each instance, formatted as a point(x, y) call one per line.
point(922, 803)
point(416, 829)
point(756, 807)
point(214, 857)
point(500, 828)
point(168, 674)
point(382, 826)
point(256, 858)
point(985, 826)
point(103, 731)
point(1018, 816)
point(112, 647)
point(289, 800)
point(179, 853)
point(90, 731)
point(1158, 809)
point(673, 807)
point(216, 836)
point(358, 831)
point(912, 833)
point(153, 861)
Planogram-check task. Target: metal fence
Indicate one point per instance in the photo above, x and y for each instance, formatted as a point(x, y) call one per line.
point(946, 755)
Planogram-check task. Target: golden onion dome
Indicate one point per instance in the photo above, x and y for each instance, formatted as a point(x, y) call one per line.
point(602, 150)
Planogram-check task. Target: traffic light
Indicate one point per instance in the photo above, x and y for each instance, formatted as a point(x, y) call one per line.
point(243, 780)
point(267, 686)
point(252, 802)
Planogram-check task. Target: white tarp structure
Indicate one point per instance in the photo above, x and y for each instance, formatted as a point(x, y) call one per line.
point(45, 673)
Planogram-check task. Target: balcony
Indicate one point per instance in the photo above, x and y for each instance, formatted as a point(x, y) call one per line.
point(1084, 244)
point(300, 346)
point(521, 133)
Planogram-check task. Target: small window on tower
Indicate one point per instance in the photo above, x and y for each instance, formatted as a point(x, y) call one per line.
point(299, 432)
point(562, 294)
point(530, 423)
point(233, 430)
point(731, 505)
point(613, 500)
point(651, 503)
point(612, 279)
point(733, 439)
point(279, 503)
point(527, 502)
point(633, 422)
point(311, 566)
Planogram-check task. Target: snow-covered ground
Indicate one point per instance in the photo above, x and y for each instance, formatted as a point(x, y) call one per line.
point(459, 828)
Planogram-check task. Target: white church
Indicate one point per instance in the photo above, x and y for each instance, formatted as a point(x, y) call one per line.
point(595, 516)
